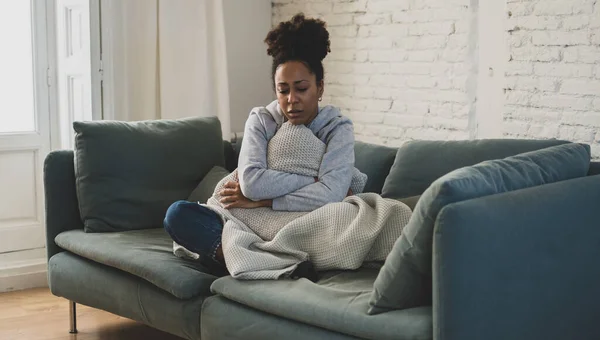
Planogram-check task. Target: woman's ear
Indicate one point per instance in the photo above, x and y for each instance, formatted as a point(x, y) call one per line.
point(321, 88)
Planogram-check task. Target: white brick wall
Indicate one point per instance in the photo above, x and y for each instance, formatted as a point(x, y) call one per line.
point(552, 84)
point(402, 69)
point(396, 72)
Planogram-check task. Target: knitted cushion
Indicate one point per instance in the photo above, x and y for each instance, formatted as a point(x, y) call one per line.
point(295, 149)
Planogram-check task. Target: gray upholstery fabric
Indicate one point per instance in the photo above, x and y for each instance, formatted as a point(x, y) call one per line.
point(207, 185)
point(223, 319)
point(375, 161)
point(62, 212)
point(594, 168)
point(231, 152)
point(147, 254)
point(405, 279)
point(337, 302)
point(411, 202)
point(520, 265)
point(99, 286)
point(129, 173)
point(419, 163)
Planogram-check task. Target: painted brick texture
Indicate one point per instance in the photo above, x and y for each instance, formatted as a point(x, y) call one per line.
point(400, 69)
point(395, 71)
point(552, 79)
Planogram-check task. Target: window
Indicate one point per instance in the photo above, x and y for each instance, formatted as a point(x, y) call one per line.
point(16, 68)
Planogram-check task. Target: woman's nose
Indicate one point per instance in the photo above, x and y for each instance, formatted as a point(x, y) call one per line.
point(292, 97)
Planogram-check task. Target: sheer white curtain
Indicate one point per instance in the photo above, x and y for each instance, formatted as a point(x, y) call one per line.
point(168, 60)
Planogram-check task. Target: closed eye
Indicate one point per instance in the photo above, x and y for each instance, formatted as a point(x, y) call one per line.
point(286, 91)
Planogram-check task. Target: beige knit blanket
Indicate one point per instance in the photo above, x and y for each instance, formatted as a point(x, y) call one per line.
point(263, 243)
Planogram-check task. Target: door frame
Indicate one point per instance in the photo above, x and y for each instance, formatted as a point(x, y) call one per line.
point(97, 56)
point(28, 267)
point(96, 66)
point(51, 48)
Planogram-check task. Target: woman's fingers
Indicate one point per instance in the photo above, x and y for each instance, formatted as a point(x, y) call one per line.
point(231, 196)
point(227, 199)
point(231, 185)
point(228, 192)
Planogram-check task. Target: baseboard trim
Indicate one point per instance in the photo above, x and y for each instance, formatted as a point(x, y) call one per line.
point(28, 275)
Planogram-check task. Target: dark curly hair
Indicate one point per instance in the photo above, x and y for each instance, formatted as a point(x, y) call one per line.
point(300, 39)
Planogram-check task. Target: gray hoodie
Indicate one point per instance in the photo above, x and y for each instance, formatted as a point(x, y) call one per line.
point(293, 192)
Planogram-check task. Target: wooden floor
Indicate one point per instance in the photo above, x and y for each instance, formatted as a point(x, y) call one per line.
point(36, 314)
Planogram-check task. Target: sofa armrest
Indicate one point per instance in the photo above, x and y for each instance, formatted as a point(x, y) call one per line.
point(520, 265)
point(62, 210)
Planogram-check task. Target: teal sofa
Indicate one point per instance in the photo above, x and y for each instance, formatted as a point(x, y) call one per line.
point(516, 265)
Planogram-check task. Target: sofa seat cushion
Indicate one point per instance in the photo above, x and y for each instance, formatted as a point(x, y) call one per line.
point(147, 254)
point(337, 302)
point(96, 285)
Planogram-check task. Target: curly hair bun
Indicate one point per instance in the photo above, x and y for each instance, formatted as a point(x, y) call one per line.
point(299, 38)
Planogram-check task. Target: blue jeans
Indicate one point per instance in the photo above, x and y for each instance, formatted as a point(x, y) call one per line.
point(195, 227)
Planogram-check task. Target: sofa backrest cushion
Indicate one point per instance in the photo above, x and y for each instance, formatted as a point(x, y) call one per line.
point(418, 163)
point(232, 153)
point(375, 161)
point(405, 279)
point(128, 173)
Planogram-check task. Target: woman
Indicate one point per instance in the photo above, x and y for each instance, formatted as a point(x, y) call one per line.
point(298, 47)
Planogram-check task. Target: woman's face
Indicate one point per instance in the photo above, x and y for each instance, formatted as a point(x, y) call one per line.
point(297, 92)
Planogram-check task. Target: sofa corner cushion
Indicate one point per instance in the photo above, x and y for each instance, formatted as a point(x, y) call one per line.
point(405, 279)
point(207, 185)
point(128, 173)
point(418, 163)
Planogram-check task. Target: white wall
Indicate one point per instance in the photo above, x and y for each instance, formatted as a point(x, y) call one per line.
point(553, 76)
point(453, 69)
point(248, 65)
point(398, 68)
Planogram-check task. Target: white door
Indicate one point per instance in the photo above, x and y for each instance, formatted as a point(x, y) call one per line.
point(24, 142)
point(74, 66)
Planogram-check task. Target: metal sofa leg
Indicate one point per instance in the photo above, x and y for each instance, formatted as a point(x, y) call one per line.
point(73, 317)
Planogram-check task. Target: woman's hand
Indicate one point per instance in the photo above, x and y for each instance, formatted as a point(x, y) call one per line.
point(232, 197)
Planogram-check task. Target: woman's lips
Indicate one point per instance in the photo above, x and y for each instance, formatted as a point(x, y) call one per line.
point(294, 114)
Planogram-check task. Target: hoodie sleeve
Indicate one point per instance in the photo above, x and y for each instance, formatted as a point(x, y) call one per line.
point(335, 175)
point(256, 181)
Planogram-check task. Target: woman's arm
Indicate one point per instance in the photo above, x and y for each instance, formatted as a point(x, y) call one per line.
point(256, 181)
point(232, 197)
point(335, 175)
